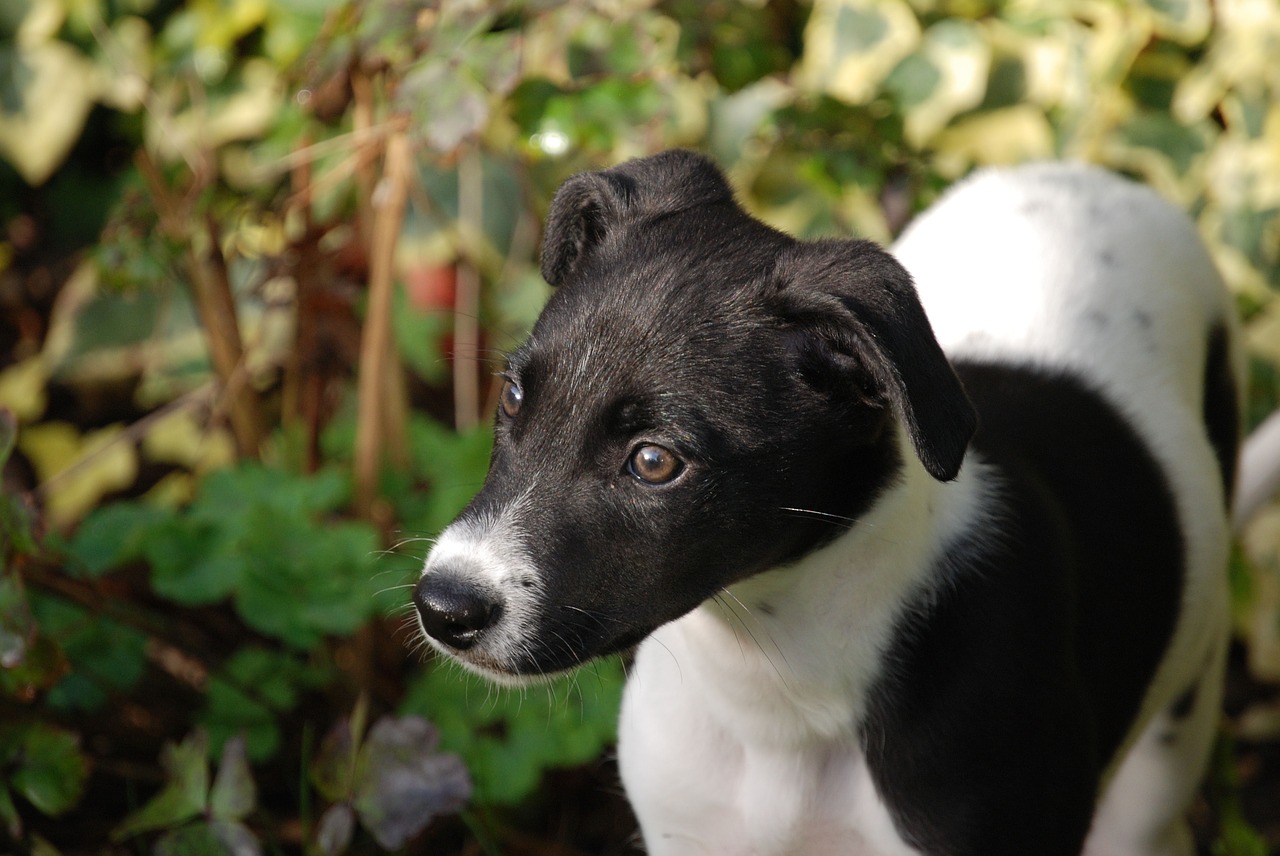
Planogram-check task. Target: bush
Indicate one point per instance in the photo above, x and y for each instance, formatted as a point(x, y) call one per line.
point(263, 257)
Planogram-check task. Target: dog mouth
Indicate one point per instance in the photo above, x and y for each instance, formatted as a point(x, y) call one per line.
point(542, 655)
point(510, 644)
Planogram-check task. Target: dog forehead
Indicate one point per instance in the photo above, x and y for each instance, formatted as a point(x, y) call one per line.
point(644, 330)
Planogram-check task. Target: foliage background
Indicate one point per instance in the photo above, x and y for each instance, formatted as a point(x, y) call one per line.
point(260, 259)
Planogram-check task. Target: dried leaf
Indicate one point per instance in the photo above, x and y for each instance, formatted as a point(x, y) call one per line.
point(334, 762)
point(402, 782)
point(334, 831)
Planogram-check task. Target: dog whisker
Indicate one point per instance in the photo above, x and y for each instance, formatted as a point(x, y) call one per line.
point(768, 633)
point(821, 516)
point(394, 588)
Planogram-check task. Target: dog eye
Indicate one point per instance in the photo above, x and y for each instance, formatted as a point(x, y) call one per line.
point(510, 399)
point(654, 464)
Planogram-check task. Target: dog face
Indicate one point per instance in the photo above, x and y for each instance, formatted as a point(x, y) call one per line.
point(702, 399)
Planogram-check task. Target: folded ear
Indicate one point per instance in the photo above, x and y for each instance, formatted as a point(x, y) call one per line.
point(592, 207)
point(853, 306)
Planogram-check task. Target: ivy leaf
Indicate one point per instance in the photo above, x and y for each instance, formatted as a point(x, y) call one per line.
point(49, 89)
point(184, 795)
point(850, 46)
point(50, 769)
point(402, 782)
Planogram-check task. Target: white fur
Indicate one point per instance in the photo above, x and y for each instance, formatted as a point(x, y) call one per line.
point(488, 551)
point(738, 731)
point(781, 695)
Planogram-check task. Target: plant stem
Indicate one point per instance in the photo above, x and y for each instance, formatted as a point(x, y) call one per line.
point(380, 396)
point(215, 303)
point(466, 308)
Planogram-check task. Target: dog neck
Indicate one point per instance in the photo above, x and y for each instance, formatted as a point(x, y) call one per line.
point(788, 656)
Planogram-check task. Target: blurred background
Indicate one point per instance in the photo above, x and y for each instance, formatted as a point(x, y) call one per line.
point(260, 260)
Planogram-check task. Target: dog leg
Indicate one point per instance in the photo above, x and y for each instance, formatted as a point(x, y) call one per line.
point(1142, 813)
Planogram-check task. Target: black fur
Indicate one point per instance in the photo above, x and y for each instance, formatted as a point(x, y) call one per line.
point(980, 746)
point(1221, 408)
point(777, 371)
point(679, 320)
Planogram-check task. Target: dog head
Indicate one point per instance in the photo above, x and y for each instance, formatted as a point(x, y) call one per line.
point(702, 399)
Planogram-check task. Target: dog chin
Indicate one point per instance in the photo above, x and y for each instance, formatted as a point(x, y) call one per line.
point(527, 671)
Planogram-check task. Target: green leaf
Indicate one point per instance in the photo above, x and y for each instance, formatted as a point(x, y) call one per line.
point(196, 839)
point(43, 665)
point(192, 562)
point(51, 771)
point(452, 464)
point(233, 794)
point(8, 434)
point(419, 335)
point(114, 535)
point(184, 795)
point(209, 838)
point(247, 696)
point(323, 574)
point(333, 767)
point(508, 739)
point(17, 526)
point(9, 814)
point(17, 629)
point(104, 654)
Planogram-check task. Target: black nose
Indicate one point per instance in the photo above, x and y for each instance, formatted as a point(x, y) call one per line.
point(453, 611)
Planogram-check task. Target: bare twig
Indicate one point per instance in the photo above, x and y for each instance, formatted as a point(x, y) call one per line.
point(215, 304)
point(377, 357)
point(362, 120)
point(466, 308)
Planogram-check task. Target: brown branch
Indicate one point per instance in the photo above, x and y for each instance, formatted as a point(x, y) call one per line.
point(215, 304)
point(376, 406)
point(466, 307)
point(217, 308)
point(362, 123)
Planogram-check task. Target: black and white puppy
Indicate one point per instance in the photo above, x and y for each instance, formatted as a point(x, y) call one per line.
point(866, 627)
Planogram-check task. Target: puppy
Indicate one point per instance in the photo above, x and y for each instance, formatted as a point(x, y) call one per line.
point(897, 589)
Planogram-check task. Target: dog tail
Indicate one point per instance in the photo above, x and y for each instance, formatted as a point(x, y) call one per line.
point(1259, 472)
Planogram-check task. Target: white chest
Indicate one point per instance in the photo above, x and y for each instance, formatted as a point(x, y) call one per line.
point(701, 786)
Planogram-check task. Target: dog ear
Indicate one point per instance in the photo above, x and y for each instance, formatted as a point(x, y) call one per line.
point(856, 311)
point(591, 206)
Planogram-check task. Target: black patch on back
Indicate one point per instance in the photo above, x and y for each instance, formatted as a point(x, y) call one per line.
point(1184, 704)
point(1018, 676)
point(1222, 409)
